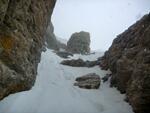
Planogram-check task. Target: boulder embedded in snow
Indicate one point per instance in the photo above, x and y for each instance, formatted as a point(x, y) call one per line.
point(89, 81)
point(64, 54)
point(74, 63)
point(79, 63)
point(79, 43)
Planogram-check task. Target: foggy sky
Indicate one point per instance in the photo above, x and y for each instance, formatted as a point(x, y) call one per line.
point(104, 19)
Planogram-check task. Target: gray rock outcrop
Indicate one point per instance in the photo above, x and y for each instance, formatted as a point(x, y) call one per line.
point(89, 81)
point(80, 63)
point(79, 43)
point(22, 26)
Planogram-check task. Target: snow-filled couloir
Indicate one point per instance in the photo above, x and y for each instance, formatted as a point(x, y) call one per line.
point(54, 91)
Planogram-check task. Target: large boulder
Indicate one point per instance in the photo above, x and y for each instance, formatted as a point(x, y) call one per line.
point(129, 60)
point(89, 81)
point(22, 26)
point(80, 63)
point(79, 43)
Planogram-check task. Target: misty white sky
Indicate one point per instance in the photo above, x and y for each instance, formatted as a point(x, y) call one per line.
point(104, 19)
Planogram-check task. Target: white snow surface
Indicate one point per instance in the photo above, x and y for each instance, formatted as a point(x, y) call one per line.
point(54, 92)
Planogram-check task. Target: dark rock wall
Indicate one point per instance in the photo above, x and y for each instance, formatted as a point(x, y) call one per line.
point(22, 26)
point(129, 60)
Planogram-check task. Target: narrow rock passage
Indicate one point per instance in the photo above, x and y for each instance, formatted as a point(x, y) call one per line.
point(54, 91)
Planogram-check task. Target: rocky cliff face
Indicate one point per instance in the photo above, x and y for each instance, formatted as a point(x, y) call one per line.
point(129, 60)
point(79, 43)
point(22, 26)
point(51, 40)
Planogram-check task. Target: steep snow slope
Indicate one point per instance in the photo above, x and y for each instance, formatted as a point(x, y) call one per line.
point(54, 92)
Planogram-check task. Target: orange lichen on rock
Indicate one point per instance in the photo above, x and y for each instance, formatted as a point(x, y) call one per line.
point(7, 42)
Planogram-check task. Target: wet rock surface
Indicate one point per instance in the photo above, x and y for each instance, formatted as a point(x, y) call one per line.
point(79, 43)
point(129, 60)
point(89, 81)
point(22, 26)
point(80, 63)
